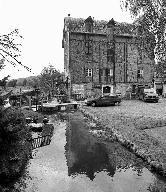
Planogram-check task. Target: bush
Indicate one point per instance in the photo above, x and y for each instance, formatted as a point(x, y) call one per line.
point(12, 125)
point(14, 145)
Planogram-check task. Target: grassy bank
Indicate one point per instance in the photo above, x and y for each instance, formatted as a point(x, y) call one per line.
point(116, 125)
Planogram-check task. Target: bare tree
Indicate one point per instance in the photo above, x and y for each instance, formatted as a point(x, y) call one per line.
point(10, 49)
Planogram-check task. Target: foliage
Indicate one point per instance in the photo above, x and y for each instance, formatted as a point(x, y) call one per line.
point(3, 82)
point(24, 82)
point(51, 80)
point(10, 49)
point(161, 70)
point(15, 147)
point(32, 81)
point(12, 126)
point(150, 14)
point(12, 83)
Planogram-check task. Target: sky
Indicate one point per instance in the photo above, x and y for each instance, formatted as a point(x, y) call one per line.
point(41, 22)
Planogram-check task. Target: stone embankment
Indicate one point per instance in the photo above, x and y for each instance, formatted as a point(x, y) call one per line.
point(130, 124)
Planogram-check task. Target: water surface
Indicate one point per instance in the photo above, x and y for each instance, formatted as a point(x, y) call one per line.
point(76, 161)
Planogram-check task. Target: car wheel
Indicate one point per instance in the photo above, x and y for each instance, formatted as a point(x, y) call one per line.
point(117, 103)
point(93, 104)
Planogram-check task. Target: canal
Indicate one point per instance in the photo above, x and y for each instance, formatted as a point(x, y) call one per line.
point(76, 161)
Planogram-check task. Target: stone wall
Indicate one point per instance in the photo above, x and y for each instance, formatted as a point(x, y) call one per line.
point(90, 51)
point(132, 59)
point(80, 60)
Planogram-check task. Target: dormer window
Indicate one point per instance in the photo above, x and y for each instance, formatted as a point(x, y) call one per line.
point(89, 24)
point(111, 23)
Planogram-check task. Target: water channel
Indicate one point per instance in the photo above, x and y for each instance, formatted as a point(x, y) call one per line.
point(76, 161)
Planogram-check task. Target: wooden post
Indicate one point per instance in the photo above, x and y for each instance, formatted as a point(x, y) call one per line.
point(30, 105)
point(42, 104)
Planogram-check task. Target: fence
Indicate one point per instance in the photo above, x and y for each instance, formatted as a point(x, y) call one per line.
point(41, 141)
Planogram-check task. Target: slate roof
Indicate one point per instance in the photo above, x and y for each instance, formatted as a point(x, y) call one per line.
point(99, 26)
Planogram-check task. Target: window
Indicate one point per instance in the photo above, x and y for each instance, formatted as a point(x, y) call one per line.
point(89, 72)
point(110, 54)
point(140, 73)
point(88, 47)
point(110, 72)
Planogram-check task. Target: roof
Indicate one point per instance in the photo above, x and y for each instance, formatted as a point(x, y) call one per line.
point(99, 26)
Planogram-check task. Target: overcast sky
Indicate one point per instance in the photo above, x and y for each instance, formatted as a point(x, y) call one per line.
point(40, 22)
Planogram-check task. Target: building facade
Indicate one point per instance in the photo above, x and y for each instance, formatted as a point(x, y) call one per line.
point(102, 57)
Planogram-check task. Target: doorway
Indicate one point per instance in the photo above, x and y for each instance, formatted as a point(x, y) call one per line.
point(107, 89)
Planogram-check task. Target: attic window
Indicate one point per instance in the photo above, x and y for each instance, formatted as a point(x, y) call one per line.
point(89, 24)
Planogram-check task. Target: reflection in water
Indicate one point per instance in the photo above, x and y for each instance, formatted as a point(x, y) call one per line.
point(75, 161)
point(84, 154)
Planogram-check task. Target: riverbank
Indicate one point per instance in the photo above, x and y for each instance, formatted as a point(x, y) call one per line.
point(132, 129)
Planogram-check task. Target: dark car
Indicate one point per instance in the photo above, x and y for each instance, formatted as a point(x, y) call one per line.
point(106, 100)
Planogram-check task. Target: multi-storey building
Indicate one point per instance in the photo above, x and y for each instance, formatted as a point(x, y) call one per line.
point(104, 57)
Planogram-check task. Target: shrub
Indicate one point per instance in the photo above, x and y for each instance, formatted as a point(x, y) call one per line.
point(12, 126)
point(14, 145)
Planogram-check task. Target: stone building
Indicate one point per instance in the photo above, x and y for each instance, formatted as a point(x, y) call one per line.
point(102, 57)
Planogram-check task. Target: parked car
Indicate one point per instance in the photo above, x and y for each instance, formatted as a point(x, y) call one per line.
point(147, 94)
point(151, 97)
point(105, 100)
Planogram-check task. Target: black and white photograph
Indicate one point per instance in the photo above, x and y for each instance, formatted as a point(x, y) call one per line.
point(83, 96)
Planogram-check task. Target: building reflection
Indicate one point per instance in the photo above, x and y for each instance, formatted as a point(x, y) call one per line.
point(84, 154)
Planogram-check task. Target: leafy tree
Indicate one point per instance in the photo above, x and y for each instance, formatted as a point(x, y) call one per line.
point(151, 15)
point(13, 131)
point(12, 83)
point(3, 82)
point(50, 80)
point(33, 82)
point(24, 82)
